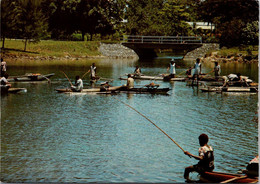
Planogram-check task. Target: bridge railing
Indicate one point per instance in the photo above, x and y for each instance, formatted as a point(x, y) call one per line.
point(162, 39)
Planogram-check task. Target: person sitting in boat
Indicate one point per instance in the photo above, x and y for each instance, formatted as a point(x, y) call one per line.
point(4, 82)
point(206, 158)
point(197, 70)
point(130, 82)
point(137, 71)
point(105, 86)
point(78, 85)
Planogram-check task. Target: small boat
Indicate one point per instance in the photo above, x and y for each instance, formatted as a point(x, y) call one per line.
point(240, 89)
point(6, 89)
point(145, 90)
point(28, 77)
point(90, 90)
point(219, 177)
point(146, 77)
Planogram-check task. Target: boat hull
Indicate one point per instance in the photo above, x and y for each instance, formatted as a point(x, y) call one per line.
point(146, 77)
point(217, 177)
point(29, 78)
point(145, 90)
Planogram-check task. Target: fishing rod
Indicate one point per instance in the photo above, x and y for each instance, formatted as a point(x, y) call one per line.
point(67, 77)
point(150, 122)
point(85, 74)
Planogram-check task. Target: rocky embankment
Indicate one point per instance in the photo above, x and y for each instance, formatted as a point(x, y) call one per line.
point(116, 51)
point(201, 51)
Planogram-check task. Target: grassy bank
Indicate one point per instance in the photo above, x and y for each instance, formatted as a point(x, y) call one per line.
point(51, 48)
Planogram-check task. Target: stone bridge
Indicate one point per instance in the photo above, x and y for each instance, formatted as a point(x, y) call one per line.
point(148, 46)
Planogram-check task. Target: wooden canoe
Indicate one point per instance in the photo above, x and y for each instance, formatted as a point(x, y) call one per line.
point(219, 177)
point(146, 77)
point(90, 90)
point(145, 90)
point(7, 89)
point(29, 77)
point(240, 89)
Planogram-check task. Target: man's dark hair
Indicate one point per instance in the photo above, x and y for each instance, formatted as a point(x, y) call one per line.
point(198, 59)
point(203, 139)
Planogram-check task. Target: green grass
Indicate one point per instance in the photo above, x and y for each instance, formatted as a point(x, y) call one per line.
point(52, 48)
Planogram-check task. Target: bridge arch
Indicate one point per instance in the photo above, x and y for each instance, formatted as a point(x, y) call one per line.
point(146, 46)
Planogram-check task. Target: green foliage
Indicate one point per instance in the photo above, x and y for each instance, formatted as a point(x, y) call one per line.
point(250, 33)
point(158, 18)
point(234, 20)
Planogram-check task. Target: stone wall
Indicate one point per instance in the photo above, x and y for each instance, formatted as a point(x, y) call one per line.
point(116, 51)
point(201, 51)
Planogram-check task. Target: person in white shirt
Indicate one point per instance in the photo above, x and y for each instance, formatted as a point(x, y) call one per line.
point(217, 70)
point(93, 71)
point(172, 69)
point(3, 80)
point(197, 70)
point(3, 67)
point(78, 86)
point(130, 82)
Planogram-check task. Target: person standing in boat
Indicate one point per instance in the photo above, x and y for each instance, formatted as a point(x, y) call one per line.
point(216, 70)
point(130, 82)
point(206, 158)
point(137, 71)
point(93, 71)
point(78, 85)
point(197, 70)
point(172, 69)
point(3, 67)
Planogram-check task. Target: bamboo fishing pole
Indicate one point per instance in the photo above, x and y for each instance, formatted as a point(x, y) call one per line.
point(67, 77)
point(85, 74)
point(150, 122)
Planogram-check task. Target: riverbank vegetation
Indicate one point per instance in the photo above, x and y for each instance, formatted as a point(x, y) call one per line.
point(235, 22)
point(52, 49)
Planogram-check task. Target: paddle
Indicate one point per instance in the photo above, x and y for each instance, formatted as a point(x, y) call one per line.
point(67, 77)
point(233, 179)
point(49, 81)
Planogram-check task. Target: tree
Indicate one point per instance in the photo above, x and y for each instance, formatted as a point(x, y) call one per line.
point(30, 21)
point(7, 19)
point(230, 17)
point(159, 18)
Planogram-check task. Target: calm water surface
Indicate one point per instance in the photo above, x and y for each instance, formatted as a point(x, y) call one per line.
point(52, 137)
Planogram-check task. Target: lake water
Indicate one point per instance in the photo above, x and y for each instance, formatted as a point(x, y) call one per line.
point(52, 137)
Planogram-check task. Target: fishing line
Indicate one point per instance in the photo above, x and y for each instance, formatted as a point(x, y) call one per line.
point(150, 122)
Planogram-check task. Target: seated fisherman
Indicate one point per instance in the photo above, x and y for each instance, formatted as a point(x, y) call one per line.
point(137, 71)
point(206, 158)
point(78, 86)
point(130, 82)
point(3, 80)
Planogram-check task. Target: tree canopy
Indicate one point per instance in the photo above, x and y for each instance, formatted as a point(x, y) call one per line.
point(236, 21)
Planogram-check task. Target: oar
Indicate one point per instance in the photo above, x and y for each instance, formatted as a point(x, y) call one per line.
point(150, 122)
point(182, 72)
point(67, 77)
point(49, 81)
point(233, 179)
